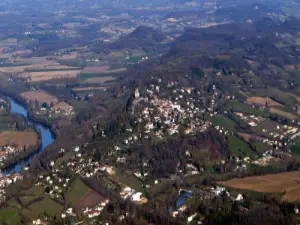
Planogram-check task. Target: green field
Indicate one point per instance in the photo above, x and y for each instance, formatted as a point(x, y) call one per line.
point(31, 194)
point(240, 147)
point(77, 190)
point(9, 216)
point(129, 180)
point(14, 204)
point(46, 205)
point(223, 122)
point(114, 72)
point(238, 106)
point(260, 147)
point(35, 190)
point(295, 149)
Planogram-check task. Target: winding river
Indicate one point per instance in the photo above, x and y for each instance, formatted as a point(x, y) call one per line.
point(47, 137)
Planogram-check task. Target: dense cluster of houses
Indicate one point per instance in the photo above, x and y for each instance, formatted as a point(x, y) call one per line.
point(96, 210)
point(277, 133)
point(7, 151)
point(6, 181)
point(129, 193)
point(166, 116)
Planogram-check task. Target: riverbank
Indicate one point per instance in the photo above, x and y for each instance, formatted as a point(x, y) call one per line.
point(18, 145)
point(47, 135)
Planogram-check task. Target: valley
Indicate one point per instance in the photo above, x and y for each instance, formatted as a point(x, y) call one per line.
point(163, 112)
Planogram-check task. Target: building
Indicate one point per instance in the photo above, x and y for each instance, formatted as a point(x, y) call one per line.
point(63, 107)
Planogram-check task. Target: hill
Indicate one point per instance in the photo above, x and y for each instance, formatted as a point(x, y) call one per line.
point(144, 38)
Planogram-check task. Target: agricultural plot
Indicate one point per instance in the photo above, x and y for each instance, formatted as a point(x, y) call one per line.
point(84, 89)
point(46, 205)
point(240, 148)
point(6, 122)
point(223, 122)
point(50, 75)
point(9, 216)
point(100, 80)
point(260, 147)
point(97, 74)
point(95, 69)
point(262, 101)
point(283, 113)
point(129, 180)
point(77, 190)
point(287, 183)
point(32, 193)
point(39, 96)
point(277, 95)
point(90, 199)
point(32, 64)
point(18, 138)
point(237, 106)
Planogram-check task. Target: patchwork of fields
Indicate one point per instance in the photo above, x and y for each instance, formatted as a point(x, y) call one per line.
point(49, 75)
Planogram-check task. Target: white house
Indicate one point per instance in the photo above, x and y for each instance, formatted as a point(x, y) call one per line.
point(136, 197)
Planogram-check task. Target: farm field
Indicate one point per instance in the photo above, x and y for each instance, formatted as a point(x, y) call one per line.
point(283, 113)
point(77, 190)
point(39, 96)
point(90, 199)
point(100, 80)
point(277, 95)
point(95, 69)
point(223, 122)
point(262, 101)
point(249, 137)
point(50, 75)
point(37, 209)
point(19, 138)
point(32, 193)
point(9, 216)
point(109, 73)
point(33, 64)
point(275, 183)
point(260, 147)
point(238, 106)
point(88, 89)
point(129, 180)
point(239, 147)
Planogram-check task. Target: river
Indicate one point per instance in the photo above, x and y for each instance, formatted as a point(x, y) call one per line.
point(47, 137)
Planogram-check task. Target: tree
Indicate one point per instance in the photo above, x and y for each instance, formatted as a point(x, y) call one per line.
point(47, 190)
point(45, 105)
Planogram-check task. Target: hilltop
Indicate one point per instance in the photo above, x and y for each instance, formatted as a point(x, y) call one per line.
point(143, 38)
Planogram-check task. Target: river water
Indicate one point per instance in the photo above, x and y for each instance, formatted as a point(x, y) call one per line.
point(45, 132)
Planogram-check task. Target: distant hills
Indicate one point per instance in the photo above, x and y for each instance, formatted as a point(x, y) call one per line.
point(144, 38)
point(244, 12)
